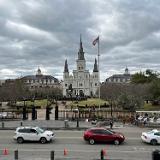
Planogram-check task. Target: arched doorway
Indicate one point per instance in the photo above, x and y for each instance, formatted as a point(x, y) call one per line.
point(81, 94)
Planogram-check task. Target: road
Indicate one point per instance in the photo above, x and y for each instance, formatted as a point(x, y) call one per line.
point(77, 148)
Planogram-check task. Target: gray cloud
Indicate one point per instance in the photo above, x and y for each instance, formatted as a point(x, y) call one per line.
point(44, 33)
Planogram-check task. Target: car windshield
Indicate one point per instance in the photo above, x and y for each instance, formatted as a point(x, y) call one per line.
point(110, 131)
point(39, 130)
point(151, 132)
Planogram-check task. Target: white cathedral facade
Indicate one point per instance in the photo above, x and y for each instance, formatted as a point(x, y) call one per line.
point(81, 82)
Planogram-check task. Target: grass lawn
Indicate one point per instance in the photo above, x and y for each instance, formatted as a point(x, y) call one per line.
point(150, 107)
point(42, 103)
point(89, 102)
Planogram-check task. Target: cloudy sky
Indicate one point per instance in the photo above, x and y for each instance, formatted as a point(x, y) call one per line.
point(43, 33)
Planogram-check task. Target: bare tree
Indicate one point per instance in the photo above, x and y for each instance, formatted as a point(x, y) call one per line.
point(124, 96)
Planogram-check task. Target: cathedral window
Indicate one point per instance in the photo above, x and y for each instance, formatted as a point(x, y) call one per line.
point(65, 85)
point(80, 84)
point(95, 84)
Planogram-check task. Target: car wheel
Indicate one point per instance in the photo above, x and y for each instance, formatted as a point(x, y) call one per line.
point(43, 140)
point(20, 140)
point(91, 141)
point(116, 142)
point(153, 141)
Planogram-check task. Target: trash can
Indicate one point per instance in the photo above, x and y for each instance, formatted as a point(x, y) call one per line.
point(66, 124)
point(156, 155)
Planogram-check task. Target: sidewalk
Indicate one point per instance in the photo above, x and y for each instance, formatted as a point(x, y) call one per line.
point(50, 124)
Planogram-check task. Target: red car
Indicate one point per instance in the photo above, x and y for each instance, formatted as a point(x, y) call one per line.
point(103, 135)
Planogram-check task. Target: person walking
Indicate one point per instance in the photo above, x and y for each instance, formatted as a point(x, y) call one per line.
point(111, 124)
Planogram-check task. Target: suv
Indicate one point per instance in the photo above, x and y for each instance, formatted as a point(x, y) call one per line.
point(33, 134)
point(103, 135)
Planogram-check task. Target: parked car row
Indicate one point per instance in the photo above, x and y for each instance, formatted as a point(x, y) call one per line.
point(5, 115)
point(92, 135)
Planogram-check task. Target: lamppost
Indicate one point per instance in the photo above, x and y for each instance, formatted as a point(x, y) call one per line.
point(111, 109)
point(78, 117)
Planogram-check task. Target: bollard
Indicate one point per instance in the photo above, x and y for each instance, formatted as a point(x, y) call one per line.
point(52, 155)
point(102, 155)
point(77, 122)
point(2, 124)
point(16, 155)
point(66, 125)
point(156, 155)
point(21, 123)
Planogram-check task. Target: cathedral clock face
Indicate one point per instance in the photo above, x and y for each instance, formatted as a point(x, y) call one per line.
point(80, 67)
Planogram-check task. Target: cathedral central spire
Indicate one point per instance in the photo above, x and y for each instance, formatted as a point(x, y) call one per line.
point(80, 52)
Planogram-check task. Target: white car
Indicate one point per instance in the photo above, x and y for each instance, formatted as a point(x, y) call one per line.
point(152, 137)
point(33, 134)
point(3, 115)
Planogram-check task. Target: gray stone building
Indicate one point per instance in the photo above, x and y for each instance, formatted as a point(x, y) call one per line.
point(40, 81)
point(120, 78)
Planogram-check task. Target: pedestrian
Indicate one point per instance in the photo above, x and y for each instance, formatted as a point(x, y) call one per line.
point(111, 124)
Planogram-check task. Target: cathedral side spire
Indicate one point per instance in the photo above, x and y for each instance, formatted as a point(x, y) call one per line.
point(66, 66)
point(95, 69)
point(80, 52)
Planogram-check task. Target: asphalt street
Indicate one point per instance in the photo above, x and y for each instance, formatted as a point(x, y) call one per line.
point(72, 142)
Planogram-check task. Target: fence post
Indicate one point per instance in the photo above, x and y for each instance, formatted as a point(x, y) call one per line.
point(2, 124)
point(52, 155)
point(102, 155)
point(16, 154)
point(156, 155)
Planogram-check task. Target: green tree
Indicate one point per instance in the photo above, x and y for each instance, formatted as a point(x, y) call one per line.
point(139, 78)
point(144, 77)
point(155, 89)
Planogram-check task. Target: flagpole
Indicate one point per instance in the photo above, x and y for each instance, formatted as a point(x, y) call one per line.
point(99, 72)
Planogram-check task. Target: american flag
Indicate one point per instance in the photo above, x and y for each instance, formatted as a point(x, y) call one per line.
point(95, 41)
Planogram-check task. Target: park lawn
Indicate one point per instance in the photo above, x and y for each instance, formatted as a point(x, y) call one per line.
point(42, 103)
point(89, 102)
point(150, 107)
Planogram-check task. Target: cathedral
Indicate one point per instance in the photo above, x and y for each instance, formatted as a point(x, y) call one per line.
point(81, 82)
